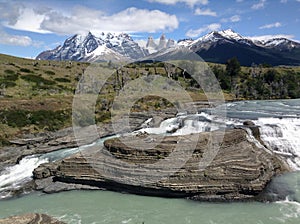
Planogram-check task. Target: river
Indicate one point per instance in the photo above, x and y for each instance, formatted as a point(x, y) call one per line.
point(279, 123)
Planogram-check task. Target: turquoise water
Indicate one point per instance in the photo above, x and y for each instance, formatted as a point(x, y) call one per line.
point(109, 207)
point(87, 207)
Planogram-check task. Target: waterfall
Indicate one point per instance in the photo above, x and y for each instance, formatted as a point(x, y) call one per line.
point(282, 135)
point(13, 177)
point(16, 176)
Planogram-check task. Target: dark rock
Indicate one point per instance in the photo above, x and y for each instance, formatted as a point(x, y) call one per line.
point(254, 130)
point(48, 185)
point(31, 218)
point(248, 123)
point(45, 170)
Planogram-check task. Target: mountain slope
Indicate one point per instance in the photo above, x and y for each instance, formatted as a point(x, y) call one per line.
point(92, 48)
point(220, 46)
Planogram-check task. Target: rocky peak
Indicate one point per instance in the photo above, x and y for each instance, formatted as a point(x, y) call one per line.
point(162, 42)
point(91, 47)
point(151, 43)
point(230, 34)
point(170, 43)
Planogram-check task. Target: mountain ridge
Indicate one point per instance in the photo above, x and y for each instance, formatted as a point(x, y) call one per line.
point(216, 46)
point(91, 48)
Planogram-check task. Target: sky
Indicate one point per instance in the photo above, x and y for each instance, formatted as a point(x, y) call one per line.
point(32, 26)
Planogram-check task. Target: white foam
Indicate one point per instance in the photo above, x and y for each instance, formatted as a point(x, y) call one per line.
point(282, 136)
point(289, 210)
point(15, 176)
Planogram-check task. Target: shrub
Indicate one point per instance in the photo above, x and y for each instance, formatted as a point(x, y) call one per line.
point(7, 83)
point(103, 117)
point(62, 80)
point(8, 71)
point(11, 77)
point(52, 120)
point(26, 70)
point(4, 142)
point(50, 72)
point(16, 118)
point(37, 79)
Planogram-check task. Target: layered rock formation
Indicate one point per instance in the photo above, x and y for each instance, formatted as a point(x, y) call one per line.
point(31, 218)
point(240, 170)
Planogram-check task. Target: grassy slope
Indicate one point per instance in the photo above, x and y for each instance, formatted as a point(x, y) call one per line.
point(36, 96)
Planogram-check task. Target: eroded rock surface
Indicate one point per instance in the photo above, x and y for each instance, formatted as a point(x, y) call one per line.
point(239, 171)
point(31, 218)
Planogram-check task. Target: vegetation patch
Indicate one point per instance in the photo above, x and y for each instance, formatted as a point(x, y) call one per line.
point(7, 83)
point(258, 81)
point(62, 80)
point(37, 79)
point(26, 70)
point(43, 119)
point(49, 72)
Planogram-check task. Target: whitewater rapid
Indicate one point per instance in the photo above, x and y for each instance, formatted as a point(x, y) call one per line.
point(278, 122)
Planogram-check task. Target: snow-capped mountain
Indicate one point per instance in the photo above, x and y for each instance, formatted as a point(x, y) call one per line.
point(219, 46)
point(216, 46)
point(105, 47)
point(277, 42)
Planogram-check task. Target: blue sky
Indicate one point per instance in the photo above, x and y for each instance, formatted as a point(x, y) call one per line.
point(29, 27)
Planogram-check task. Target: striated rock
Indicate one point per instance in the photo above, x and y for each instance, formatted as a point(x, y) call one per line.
point(45, 170)
point(239, 171)
point(47, 185)
point(31, 218)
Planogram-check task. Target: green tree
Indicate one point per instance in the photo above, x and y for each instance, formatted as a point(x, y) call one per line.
point(233, 70)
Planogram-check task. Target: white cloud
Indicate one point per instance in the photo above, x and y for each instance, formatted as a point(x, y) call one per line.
point(10, 12)
point(259, 5)
point(205, 12)
point(15, 40)
point(190, 3)
point(83, 19)
point(211, 27)
point(283, 1)
point(239, 1)
point(28, 20)
point(233, 19)
point(272, 25)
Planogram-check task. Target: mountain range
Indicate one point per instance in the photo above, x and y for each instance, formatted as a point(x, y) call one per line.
point(216, 46)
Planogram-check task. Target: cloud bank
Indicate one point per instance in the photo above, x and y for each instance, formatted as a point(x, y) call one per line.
point(82, 19)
